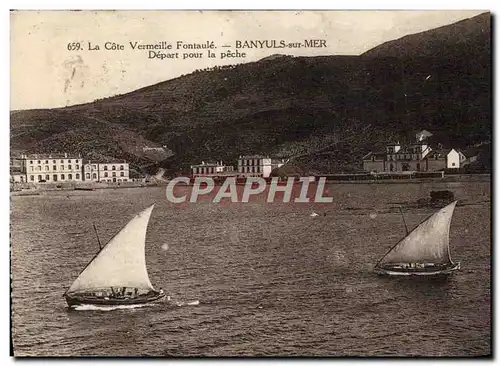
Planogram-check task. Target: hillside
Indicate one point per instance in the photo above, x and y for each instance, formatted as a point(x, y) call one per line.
point(324, 112)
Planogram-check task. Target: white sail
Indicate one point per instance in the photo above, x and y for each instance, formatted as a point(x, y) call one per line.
point(427, 243)
point(122, 262)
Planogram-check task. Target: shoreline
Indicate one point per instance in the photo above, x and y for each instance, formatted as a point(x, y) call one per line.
point(34, 190)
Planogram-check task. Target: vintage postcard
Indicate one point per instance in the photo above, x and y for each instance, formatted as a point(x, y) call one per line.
point(251, 183)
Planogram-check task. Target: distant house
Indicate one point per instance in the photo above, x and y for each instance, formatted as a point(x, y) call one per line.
point(258, 165)
point(115, 171)
point(446, 159)
point(16, 176)
point(212, 169)
point(417, 156)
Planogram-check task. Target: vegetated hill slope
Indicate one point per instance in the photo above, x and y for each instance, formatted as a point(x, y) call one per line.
point(324, 112)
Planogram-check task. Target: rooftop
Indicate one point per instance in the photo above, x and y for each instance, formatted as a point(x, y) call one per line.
point(50, 156)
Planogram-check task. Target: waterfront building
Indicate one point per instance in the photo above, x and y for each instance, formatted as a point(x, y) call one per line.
point(212, 169)
point(258, 165)
point(16, 176)
point(417, 156)
point(116, 171)
point(50, 168)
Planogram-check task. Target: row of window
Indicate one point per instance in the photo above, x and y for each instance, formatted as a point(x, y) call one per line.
point(113, 167)
point(249, 162)
point(250, 169)
point(94, 175)
point(55, 177)
point(203, 170)
point(54, 167)
point(54, 161)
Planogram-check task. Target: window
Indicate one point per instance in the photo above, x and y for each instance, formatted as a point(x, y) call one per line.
point(53, 161)
point(32, 178)
point(93, 167)
point(54, 177)
point(62, 176)
point(94, 176)
point(62, 161)
point(76, 161)
point(47, 177)
point(38, 168)
point(46, 161)
point(39, 162)
point(77, 176)
point(113, 167)
point(452, 164)
point(122, 174)
point(39, 178)
point(69, 167)
point(69, 160)
point(54, 167)
point(31, 161)
point(121, 167)
point(114, 174)
point(46, 168)
point(105, 174)
point(70, 176)
point(125, 180)
point(105, 167)
point(62, 167)
point(87, 176)
point(77, 167)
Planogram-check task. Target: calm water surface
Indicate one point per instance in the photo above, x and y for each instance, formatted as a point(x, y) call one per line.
point(253, 279)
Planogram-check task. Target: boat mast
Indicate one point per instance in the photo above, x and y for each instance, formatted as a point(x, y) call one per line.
point(404, 222)
point(97, 234)
point(394, 246)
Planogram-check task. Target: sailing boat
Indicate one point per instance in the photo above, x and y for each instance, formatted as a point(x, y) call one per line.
point(425, 251)
point(117, 275)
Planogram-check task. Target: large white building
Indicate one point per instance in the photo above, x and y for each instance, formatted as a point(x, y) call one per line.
point(258, 165)
point(117, 171)
point(51, 168)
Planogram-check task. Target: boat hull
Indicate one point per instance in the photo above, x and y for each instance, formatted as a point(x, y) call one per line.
point(417, 272)
point(74, 301)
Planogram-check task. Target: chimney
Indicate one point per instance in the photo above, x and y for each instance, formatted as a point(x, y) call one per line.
point(65, 155)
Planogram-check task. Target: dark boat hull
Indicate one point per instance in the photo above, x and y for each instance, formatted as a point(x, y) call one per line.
point(79, 300)
point(417, 271)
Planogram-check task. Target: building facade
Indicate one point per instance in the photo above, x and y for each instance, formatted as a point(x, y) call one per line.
point(51, 168)
point(16, 176)
point(258, 165)
point(90, 172)
point(418, 156)
point(211, 169)
point(107, 172)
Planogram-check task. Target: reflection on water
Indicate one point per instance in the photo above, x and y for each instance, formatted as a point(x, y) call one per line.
point(255, 278)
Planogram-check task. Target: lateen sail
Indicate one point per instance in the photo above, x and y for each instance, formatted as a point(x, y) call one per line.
point(427, 243)
point(122, 262)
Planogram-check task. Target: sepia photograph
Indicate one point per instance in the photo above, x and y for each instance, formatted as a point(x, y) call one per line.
point(251, 183)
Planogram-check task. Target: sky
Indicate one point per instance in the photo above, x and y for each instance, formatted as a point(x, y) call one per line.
point(48, 70)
